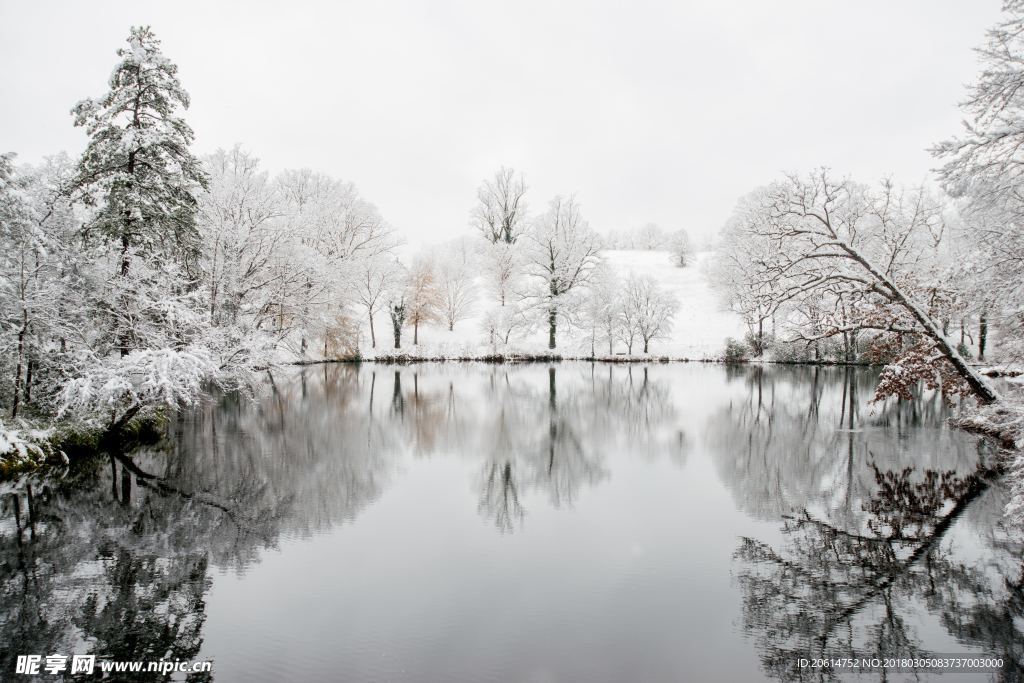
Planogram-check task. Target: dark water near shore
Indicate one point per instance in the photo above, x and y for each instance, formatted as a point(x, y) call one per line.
point(576, 522)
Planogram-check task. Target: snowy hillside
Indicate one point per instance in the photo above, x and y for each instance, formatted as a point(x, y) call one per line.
point(698, 332)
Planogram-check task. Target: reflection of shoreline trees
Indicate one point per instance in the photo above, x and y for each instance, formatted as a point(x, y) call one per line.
point(804, 437)
point(544, 430)
point(86, 568)
point(555, 441)
point(115, 557)
point(831, 591)
point(876, 508)
point(133, 541)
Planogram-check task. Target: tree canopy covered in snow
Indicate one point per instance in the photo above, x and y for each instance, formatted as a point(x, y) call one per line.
point(984, 170)
point(835, 258)
point(141, 274)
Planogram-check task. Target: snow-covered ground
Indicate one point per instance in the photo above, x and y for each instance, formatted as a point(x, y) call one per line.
point(702, 323)
point(698, 332)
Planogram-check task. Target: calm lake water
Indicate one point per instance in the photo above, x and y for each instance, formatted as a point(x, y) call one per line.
point(473, 522)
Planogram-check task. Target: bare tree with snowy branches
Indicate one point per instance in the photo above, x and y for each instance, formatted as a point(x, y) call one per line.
point(500, 213)
point(836, 240)
point(561, 252)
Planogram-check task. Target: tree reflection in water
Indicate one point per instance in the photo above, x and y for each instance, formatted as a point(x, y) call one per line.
point(114, 558)
point(117, 556)
point(868, 542)
point(556, 441)
point(86, 569)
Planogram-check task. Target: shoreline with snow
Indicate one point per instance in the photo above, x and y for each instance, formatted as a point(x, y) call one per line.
point(515, 357)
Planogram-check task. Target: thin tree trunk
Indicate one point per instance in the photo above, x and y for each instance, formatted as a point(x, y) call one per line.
point(982, 335)
point(30, 366)
point(123, 337)
point(552, 325)
point(373, 335)
point(19, 366)
point(416, 333)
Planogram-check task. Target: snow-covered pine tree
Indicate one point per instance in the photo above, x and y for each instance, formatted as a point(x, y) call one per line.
point(141, 179)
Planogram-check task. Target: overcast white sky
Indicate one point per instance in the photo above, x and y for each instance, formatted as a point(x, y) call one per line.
point(649, 111)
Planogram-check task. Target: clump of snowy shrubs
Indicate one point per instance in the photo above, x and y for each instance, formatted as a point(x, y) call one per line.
point(735, 351)
point(23, 445)
point(115, 390)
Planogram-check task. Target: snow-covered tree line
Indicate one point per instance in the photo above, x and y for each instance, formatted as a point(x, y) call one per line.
point(830, 259)
point(651, 237)
point(924, 280)
point(547, 270)
point(140, 274)
point(102, 258)
point(982, 171)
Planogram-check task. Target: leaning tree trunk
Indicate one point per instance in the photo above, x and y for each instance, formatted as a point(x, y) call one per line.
point(975, 381)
